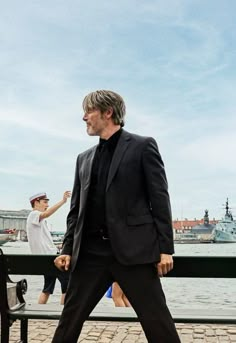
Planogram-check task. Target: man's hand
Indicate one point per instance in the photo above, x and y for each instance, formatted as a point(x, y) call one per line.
point(66, 195)
point(165, 265)
point(62, 262)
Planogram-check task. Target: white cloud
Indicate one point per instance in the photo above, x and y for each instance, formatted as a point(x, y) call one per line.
point(173, 61)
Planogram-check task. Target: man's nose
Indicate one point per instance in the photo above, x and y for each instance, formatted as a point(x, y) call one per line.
point(85, 117)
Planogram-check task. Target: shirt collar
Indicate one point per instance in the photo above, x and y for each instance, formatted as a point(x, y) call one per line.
point(112, 141)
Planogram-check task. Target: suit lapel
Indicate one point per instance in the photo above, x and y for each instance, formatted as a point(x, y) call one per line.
point(87, 167)
point(121, 147)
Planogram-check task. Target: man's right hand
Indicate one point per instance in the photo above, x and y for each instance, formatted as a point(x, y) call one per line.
point(62, 262)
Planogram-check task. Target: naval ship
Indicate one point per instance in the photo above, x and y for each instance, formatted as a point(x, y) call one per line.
point(225, 229)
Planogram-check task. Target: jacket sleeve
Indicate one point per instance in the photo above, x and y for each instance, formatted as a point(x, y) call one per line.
point(72, 215)
point(157, 188)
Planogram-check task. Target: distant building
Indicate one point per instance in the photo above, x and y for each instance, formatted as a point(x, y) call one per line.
point(14, 220)
point(204, 231)
point(197, 230)
point(186, 225)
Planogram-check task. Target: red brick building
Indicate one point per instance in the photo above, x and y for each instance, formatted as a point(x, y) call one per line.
point(187, 225)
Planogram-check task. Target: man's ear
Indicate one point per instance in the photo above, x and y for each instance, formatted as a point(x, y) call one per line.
point(108, 113)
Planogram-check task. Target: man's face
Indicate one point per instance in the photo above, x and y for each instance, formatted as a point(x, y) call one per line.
point(41, 205)
point(96, 122)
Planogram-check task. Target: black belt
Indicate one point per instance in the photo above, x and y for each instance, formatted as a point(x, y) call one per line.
point(99, 234)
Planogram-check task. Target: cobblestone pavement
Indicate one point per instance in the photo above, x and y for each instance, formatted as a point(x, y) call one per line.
point(41, 331)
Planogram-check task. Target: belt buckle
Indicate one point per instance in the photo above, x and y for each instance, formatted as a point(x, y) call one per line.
point(104, 238)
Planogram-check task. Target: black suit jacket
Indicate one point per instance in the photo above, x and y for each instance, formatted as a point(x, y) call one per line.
point(138, 209)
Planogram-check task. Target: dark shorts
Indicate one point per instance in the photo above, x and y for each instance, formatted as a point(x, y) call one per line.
point(50, 281)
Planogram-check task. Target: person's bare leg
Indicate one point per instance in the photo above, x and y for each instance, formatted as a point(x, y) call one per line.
point(117, 295)
point(43, 298)
point(126, 301)
point(63, 298)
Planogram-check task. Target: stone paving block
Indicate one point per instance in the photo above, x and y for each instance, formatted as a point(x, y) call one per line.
point(198, 335)
point(82, 336)
point(33, 335)
point(132, 337)
point(223, 339)
point(107, 334)
point(135, 328)
point(43, 325)
point(119, 337)
point(186, 331)
point(105, 340)
point(220, 332)
point(111, 328)
point(94, 333)
point(232, 327)
point(47, 331)
point(121, 332)
point(211, 339)
point(187, 327)
point(198, 330)
point(186, 339)
point(202, 326)
point(210, 332)
point(134, 332)
point(41, 337)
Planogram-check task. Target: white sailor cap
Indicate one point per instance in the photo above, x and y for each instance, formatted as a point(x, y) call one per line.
point(38, 197)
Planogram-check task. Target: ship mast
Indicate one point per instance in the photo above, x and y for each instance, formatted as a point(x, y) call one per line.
point(227, 207)
point(228, 214)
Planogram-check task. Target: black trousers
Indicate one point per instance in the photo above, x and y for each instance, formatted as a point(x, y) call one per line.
point(140, 283)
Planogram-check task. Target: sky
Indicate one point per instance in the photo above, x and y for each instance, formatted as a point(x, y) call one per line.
point(173, 62)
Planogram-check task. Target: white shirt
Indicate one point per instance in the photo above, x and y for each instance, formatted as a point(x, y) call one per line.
point(39, 237)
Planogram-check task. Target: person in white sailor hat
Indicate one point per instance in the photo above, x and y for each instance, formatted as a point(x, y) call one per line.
point(38, 196)
point(40, 239)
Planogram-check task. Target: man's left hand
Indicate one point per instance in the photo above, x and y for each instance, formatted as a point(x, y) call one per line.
point(165, 265)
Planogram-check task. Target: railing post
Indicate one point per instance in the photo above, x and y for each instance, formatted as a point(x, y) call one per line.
point(5, 324)
point(24, 330)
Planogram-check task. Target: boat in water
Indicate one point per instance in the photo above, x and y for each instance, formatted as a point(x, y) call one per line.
point(57, 237)
point(225, 229)
point(4, 238)
point(187, 237)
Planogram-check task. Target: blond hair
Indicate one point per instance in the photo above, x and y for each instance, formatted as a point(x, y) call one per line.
point(104, 99)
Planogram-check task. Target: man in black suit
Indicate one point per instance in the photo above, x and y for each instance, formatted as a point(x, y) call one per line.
point(119, 227)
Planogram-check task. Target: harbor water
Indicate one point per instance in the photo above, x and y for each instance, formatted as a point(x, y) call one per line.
point(180, 292)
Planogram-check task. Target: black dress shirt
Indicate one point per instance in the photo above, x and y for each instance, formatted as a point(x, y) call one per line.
point(95, 228)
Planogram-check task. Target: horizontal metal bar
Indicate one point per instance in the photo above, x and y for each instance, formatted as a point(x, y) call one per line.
point(102, 313)
point(184, 266)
